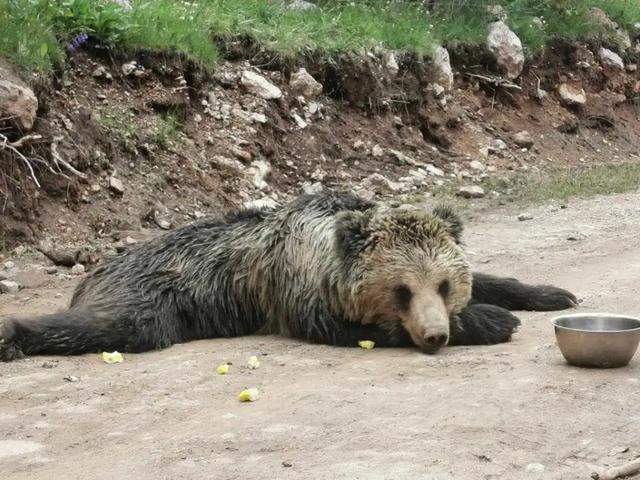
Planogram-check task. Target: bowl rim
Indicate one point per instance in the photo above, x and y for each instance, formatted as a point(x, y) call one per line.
point(595, 314)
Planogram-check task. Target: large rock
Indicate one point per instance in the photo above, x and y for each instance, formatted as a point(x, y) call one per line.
point(619, 36)
point(260, 86)
point(443, 74)
point(610, 59)
point(506, 48)
point(18, 103)
point(571, 95)
point(7, 286)
point(303, 83)
point(472, 191)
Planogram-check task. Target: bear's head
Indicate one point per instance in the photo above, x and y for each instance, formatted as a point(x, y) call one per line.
point(404, 266)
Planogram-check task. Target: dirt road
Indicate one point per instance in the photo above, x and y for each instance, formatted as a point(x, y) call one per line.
point(513, 411)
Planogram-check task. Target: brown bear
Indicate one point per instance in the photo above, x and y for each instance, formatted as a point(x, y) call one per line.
point(329, 268)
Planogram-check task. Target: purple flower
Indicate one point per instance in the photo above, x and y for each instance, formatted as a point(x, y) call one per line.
point(77, 41)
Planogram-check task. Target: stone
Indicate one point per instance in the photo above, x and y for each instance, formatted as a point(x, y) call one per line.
point(312, 188)
point(534, 468)
point(301, 5)
point(497, 13)
point(260, 170)
point(51, 270)
point(402, 158)
point(129, 67)
point(377, 151)
point(631, 67)
point(18, 105)
point(610, 59)
point(523, 139)
point(476, 165)
point(443, 74)
point(241, 154)
point(301, 124)
point(258, 118)
point(9, 265)
point(101, 73)
point(265, 202)
point(506, 47)
point(130, 241)
point(433, 170)
point(571, 95)
point(380, 184)
point(523, 217)
point(258, 85)
point(472, 191)
point(7, 286)
point(302, 83)
point(390, 63)
point(78, 269)
point(116, 185)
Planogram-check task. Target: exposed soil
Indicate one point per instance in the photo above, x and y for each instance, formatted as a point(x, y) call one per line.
point(329, 413)
point(123, 128)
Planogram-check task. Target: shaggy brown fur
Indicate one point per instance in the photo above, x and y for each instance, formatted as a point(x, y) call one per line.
point(326, 268)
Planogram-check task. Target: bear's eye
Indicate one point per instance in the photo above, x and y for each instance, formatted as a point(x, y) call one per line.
point(444, 288)
point(402, 296)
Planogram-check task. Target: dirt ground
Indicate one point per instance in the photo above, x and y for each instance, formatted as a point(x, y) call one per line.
point(511, 411)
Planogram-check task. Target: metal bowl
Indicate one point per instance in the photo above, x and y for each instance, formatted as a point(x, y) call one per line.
point(599, 340)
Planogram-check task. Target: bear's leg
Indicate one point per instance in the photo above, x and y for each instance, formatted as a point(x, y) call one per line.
point(348, 334)
point(511, 294)
point(78, 330)
point(481, 324)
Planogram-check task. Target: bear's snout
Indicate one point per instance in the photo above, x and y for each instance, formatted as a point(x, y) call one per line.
point(433, 343)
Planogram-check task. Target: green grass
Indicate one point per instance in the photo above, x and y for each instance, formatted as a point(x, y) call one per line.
point(167, 131)
point(35, 33)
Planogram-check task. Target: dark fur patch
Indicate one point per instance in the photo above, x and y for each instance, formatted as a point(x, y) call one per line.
point(511, 294)
point(452, 219)
point(481, 324)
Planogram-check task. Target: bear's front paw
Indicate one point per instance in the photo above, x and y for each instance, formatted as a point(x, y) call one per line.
point(8, 348)
point(548, 299)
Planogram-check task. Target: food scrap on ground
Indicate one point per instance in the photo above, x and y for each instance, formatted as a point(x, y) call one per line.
point(223, 369)
point(113, 357)
point(249, 395)
point(366, 344)
point(253, 362)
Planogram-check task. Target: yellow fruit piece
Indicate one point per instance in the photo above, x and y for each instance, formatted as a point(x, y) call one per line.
point(223, 368)
point(249, 395)
point(366, 344)
point(113, 357)
point(253, 362)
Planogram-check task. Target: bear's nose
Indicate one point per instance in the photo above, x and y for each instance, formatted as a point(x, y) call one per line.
point(433, 343)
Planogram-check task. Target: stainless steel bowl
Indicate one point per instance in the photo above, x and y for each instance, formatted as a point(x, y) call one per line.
point(599, 340)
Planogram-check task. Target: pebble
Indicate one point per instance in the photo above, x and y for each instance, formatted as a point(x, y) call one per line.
point(51, 270)
point(78, 269)
point(534, 468)
point(7, 286)
point(116, 185)
point(525, 216)
point(71, 378)
point(473, 191)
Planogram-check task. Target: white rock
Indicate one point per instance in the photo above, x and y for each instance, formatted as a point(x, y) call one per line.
point(312, 188)
point(610, 59)
point(523, 217)
point(476, 165)
point(18, 105)
point(472, 191)
point(302, 83)
point(443, 74)
point(534, 468)
point(260, 171)
point(129, 67)
point(260, 86)
point(116, 186)
point(571, 95)
point(523, 139)
point(433, 170)
point(506, 48)
point(7, 286)
point(258, 118)
point(77, 269)
point(390, 63)
point(380, 184)
point(301, 5)
point(265, 202)
point(9, 265)
point(299, 121)
point(377, 151)
point(402, 158)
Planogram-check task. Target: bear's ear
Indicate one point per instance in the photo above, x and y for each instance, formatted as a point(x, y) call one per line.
point(453, 221)
point(352, 235)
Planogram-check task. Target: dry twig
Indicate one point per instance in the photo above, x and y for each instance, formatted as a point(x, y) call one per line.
point(621, 471)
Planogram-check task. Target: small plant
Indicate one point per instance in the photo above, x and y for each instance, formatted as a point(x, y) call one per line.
point(167, 130)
